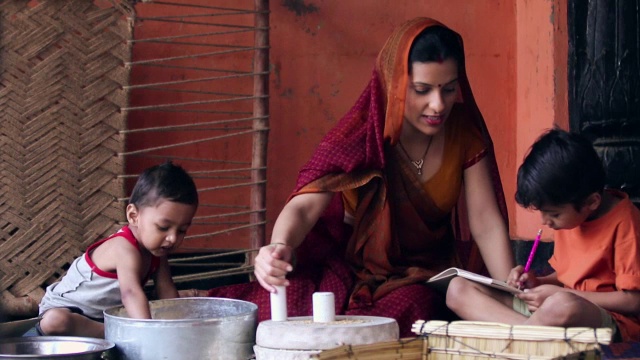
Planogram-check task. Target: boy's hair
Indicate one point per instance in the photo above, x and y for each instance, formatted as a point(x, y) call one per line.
point(561, 168)
point(166, 181)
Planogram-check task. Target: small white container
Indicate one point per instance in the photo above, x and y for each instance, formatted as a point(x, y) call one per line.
point(279, 304)
point(324, 307)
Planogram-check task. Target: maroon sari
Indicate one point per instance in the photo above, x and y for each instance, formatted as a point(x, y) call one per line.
point(378, 266)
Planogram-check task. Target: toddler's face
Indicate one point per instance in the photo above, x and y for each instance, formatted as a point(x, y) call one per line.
point(162, 227)
point(563, 216)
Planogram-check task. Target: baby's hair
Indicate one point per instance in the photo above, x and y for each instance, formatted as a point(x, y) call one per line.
point(561, 168)
point(436, 44)
point(165, 181)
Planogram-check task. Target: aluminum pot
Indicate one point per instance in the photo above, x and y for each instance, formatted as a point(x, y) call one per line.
point(56, 348)
point(186, 328)
point(17, 328)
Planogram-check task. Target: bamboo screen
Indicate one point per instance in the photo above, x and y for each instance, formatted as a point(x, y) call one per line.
point(93, 92)
point(469, 340)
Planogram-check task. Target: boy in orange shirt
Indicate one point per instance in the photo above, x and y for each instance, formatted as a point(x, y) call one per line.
point(596, 257)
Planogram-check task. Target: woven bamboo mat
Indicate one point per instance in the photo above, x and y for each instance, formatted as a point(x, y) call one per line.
point(467, 340)
point(81, 117)
point(61, 91)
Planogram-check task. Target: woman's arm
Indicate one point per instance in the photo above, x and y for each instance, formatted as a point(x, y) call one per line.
point(298, 217)
point(486, 222)
point(295, 221)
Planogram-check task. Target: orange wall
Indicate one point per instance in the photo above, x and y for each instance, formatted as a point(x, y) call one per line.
point(542, 86)
point(322, 55)
point(322, 58)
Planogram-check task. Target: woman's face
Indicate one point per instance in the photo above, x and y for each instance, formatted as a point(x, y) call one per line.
point(432, 90)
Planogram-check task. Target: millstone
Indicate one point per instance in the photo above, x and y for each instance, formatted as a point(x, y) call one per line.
point(302, 334)
point(262, 353)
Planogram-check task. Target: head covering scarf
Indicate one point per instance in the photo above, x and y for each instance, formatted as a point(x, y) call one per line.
point(352, 155)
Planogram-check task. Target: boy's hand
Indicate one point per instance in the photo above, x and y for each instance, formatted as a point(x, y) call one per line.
point(514, 276)
point(521, 280)
point(536, 296)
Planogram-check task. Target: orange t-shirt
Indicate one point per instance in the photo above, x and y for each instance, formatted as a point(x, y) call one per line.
point(603, 255)
point(463, 147)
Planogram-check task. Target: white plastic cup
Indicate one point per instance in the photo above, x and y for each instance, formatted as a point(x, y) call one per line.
point(324, 307)
point(279, 304)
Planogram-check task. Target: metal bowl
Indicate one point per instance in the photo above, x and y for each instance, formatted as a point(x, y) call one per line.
point(204, 328)
point(56, 347)
point(17, 328)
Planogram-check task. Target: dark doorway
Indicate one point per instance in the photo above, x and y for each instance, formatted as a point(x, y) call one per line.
point(604, 85)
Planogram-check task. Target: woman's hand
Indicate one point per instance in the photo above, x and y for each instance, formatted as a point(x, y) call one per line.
point(272, 265)
point(296, 219)
point(536, 296)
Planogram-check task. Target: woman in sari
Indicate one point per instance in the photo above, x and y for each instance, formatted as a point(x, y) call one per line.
point(392, 195)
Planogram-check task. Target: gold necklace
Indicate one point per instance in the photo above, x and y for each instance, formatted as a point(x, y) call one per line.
point(417, 163)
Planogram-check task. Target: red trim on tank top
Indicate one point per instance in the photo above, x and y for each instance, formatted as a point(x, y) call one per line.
point(126, 233)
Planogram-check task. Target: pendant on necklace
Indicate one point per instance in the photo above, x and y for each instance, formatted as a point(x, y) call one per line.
point(418, 165)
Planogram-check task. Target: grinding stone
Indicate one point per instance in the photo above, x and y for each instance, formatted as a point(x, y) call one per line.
point(262, 353)
point(301, 333)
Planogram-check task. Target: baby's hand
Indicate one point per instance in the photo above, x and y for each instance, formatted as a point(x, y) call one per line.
point(193, 293)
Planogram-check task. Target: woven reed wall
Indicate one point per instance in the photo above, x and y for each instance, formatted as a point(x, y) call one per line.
point(81, 115)
point(61, 91)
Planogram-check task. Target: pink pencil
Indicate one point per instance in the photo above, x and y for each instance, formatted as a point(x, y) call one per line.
point(533, 251)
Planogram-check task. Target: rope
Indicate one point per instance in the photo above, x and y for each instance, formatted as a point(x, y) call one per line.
point(211, 78)
point(214, 274)
point(187, 159)
point(187, 143)
point(201, 6)
point(230, 214)
point(203, 102)
point(225, 231)
point(187, 126)
point(211, 256)
point(227, 52)
point(164, 38)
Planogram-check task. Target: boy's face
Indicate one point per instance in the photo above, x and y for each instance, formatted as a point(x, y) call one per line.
point(564, 216)
point(162, 227)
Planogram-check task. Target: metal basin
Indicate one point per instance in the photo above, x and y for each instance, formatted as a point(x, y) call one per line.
point(17, 328)
point(56, 347)
point(187, 328)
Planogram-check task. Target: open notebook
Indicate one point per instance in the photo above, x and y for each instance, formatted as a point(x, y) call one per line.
point(441, 281)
